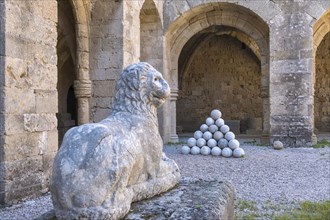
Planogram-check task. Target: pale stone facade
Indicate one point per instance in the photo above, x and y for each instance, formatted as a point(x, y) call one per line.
point(50, 50)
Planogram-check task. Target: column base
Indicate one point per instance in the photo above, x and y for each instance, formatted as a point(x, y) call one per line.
point(174, 138)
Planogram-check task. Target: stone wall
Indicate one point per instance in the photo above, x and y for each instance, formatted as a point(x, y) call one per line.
point(322, 86)
point(106, 55)
point(30, 98)
point(223, 74)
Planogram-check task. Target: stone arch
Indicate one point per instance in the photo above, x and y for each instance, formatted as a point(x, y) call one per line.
point(151, 49)
point(66, 65)
point(73, 64)
point(201, 17)
point(151, 43)
point(82, 84)
point(321, 72)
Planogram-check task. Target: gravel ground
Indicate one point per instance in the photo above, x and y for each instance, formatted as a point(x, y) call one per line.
point(274, 180)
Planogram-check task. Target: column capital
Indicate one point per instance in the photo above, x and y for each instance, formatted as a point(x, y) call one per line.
point(82, 88)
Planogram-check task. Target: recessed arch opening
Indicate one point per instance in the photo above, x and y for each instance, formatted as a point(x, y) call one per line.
point(223, 20)
point(321, 74)
point(66, 63)
point(218, 70)
point(151, 44)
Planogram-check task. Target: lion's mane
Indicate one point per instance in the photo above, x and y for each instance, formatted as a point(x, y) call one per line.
point(132, 93)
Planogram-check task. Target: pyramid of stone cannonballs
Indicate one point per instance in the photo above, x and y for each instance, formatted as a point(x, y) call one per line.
point(214, 138)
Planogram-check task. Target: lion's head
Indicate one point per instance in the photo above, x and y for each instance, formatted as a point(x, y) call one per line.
point(140, 89)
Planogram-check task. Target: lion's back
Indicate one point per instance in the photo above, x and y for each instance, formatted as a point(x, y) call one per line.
point(80, 141)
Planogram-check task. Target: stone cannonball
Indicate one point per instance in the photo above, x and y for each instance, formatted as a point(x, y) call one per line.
point(224, 129)
point(212, 143)
point(278, 145)
point(209, 121)
point(205, 150)
point(219, 122)
point(195, 150)
point(226, 152)
point(185, 150)
point(217, 135)
point(191, 142)
point(201, 142)
point(207, 135)
point(213, 128)
point(222, 143)
point(204, 128)
point(216, 151)
point(215, 114)
point(238, 152)
point(230, 135)
point(233, 144)
point(198, 134)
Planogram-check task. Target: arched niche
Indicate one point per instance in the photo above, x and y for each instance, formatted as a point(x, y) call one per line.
point(73, 65)
point(199, 18)
point(151, 44)
point(82, 84)
point(321, 73)
point(66, 65)
point(219, 68)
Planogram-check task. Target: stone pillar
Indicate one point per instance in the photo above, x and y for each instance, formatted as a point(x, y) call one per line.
point(83, 91)
point(173, 135)
point(264, 93)
point(28, 76)
point(291, 84)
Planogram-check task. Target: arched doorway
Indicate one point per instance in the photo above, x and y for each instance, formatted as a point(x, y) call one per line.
point(321, 55)
point(151, 44)
point(66, 63)
point(219, 70)
point(248, 28)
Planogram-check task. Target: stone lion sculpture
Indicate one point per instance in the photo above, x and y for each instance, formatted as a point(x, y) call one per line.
point(101, 168)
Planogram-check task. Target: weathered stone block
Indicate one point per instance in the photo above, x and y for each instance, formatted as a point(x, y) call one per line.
point(14, 196)
point(25, 181)
point(44, 76)
point(20, 169)
point(291, 66)
point(19, 101)
point(300, 131)
point(39, 122)
point(103, 102)
point(16, 73)
point(20, 146)
point(49, 10)
point(47, 161)
point(46, 96)
point(52, 142)
point(192, 199)
point(103, 88)
point(14, 124)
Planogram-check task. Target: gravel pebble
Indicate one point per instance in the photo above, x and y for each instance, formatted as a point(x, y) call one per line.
point(293, 174)
point(264, 175)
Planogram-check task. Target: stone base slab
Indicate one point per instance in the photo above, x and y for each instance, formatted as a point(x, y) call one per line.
point(191, 199)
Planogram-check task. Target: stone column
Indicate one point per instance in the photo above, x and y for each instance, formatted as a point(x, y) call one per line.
point(264, 94)
point(83, 91)
point(291, 93)
point(173, 135)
